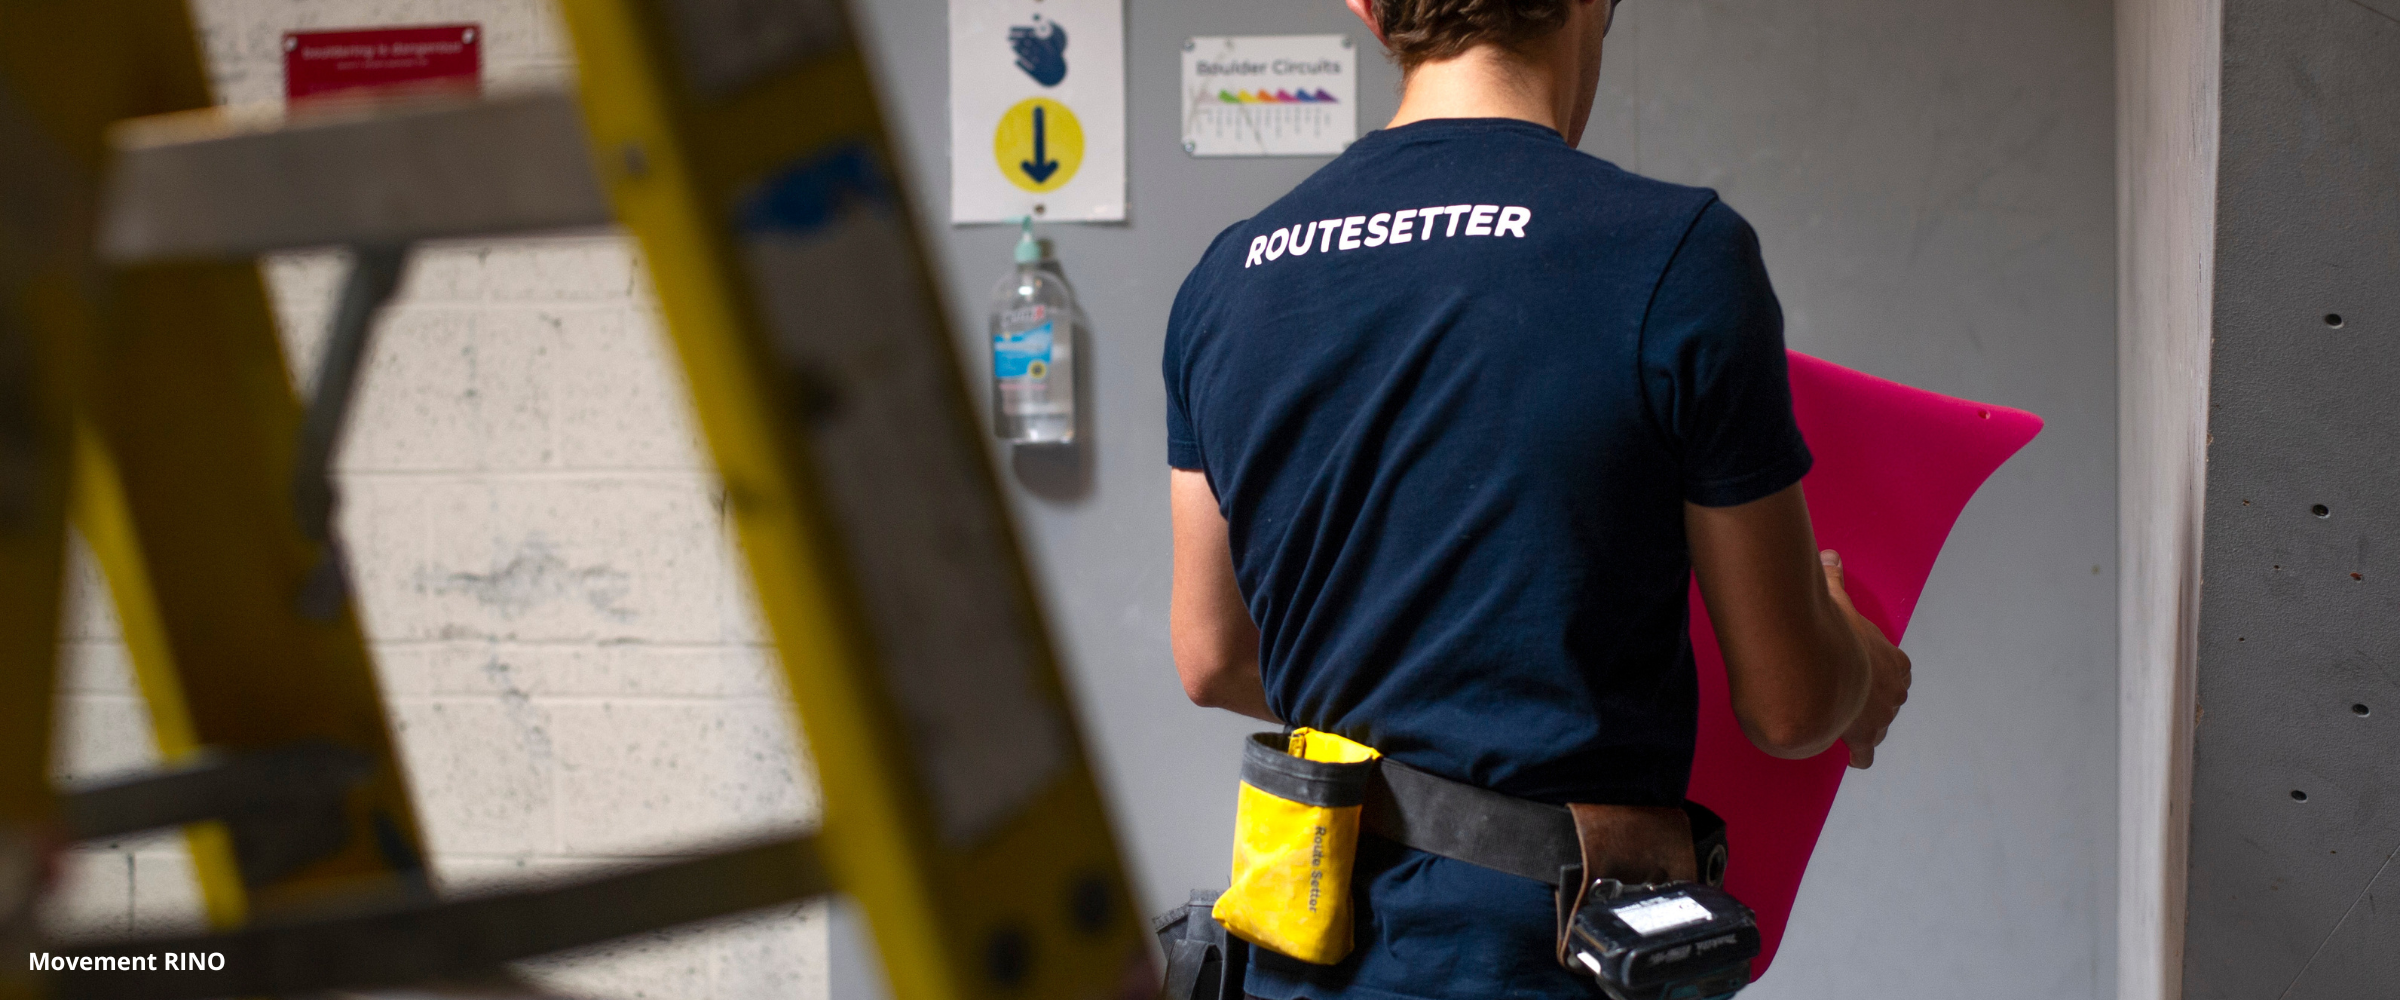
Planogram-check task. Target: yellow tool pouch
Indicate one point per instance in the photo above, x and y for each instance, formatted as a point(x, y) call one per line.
point(1295, 837)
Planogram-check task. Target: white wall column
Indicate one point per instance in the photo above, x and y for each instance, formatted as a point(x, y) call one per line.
point(2168, 66)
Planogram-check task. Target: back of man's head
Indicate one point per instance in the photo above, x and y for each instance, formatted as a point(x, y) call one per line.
point(1421, 31)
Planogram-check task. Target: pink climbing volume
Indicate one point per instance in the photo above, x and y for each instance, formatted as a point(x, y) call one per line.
point(1894, 467)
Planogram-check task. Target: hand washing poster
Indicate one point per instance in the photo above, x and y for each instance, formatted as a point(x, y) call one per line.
point(1269, 95)
point(1037, 110)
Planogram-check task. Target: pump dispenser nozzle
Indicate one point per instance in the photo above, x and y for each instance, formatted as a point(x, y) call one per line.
point(1029, 250)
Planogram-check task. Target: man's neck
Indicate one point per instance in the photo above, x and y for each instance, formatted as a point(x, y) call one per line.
point(1483, 82)
point(1490, 82)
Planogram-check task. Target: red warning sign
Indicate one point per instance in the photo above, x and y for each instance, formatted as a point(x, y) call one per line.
point(440, 56)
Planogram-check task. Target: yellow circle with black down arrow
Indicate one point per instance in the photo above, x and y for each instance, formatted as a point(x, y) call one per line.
point(1038, 145)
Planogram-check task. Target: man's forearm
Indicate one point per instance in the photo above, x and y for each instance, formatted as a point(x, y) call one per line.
point(1797, 674)
point(1215, 642)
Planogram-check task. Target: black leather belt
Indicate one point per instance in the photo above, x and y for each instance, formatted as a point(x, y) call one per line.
point(1521, 837)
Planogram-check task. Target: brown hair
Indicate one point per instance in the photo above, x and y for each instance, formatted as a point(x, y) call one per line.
point(1419, 31)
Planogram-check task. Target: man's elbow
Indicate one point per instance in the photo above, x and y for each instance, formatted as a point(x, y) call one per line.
point(1796, 708)
point(1204, 692)
point(1790, 735)
point(1213, 691)
point(1207, 679)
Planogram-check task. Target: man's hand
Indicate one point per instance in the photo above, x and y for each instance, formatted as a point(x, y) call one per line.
point(1889, 671)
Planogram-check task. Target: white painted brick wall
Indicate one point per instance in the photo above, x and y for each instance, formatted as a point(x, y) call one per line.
point(569, 650)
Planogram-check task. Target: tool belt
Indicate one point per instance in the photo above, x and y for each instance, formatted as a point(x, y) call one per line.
point(1568, 847)
point(1307, 796)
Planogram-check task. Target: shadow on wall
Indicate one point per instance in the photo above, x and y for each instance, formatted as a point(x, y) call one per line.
point(1063, 473)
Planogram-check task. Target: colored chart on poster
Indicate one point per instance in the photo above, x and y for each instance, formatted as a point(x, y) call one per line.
point(1037, 110)
point(1269, 95)
point(1894, 468)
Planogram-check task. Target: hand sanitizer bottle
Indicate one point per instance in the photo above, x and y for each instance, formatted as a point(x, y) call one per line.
point(1033, 351)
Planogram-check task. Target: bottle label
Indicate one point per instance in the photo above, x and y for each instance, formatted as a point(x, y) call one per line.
point(1024, 354)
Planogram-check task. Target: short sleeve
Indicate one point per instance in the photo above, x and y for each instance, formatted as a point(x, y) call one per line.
point(1713, 369)
point(1183, 446)
point(1183, 449)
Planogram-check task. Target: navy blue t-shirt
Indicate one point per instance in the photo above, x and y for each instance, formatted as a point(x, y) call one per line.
point(1453, 392)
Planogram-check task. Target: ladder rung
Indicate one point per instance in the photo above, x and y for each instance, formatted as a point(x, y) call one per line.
point(240, 182)
point(213, 786)
point(499, 986)
point(284, 807)
point(419, 942)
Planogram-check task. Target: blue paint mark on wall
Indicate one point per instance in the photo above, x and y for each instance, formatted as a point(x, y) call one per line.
point(811, 194)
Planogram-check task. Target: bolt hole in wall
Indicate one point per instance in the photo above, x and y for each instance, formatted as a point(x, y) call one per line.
point(2299, 796)
point(2333, 320)
point(2361, 711)
point(2320, 510)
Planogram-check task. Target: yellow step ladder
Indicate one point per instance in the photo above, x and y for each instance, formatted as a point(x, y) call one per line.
point(142, 393)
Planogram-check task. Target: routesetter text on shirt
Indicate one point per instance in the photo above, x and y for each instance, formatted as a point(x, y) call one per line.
point(1388, 229)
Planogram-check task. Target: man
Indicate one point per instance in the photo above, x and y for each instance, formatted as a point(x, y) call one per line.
point(1449, 425)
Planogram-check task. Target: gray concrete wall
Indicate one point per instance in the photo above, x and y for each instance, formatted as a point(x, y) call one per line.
point(1933, 181)
point(2294, 828)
